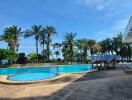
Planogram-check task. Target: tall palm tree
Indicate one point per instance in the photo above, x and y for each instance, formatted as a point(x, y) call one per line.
point(36, 31)
point(97, 48)
point(57, 46)
point(91, 44)
point(50, 31)
point(68, 46)
point(117, 43)
point(7, 38)
point(11, 37)
point(106, 45)
point(82, 45)
point(42, 39)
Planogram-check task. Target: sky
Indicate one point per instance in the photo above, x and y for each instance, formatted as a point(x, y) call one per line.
point(93, 19)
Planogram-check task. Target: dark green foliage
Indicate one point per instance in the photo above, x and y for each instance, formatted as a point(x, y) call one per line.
point(11, 37)
point(8, 55)
point(68, 46)
point(49, 31)
point(36, 31)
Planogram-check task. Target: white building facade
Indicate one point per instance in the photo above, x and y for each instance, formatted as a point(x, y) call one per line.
point(127, 36)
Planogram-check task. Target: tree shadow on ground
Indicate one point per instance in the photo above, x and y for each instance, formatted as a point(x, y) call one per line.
point(64, 92)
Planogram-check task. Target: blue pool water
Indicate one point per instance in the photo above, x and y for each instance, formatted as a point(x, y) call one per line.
point(39, 73)
point(74, 68)
point(32, 76)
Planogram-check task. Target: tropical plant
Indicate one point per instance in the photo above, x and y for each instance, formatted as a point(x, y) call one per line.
point(42, 41)
point(2, 54)
point(68, 46)
point(82, 45)
point(32, 56)
point(57, 46)
point(11, 37)
point(97, 48)
point(8, 55)
point(91, 44)
point(117, 43)
point(36, 31)
point(106, 45)
point(50, 31)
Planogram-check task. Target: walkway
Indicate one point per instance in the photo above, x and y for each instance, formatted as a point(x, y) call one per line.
point(105, 85)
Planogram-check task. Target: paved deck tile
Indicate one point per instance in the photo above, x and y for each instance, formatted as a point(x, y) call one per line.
point(103, 85)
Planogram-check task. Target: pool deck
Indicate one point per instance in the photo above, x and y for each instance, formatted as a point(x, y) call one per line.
point(102, 85)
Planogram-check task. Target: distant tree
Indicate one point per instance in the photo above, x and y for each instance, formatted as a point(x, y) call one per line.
point(49, 31)
point(68, 46)
point(82, 45)
point(2, 55)
point(8, 55)
point(42, 41)
point(117, 43)
point(106, 45)
point(129, 53)
point(11, 37)
point(57, 46)
point(97, 48)
point(35, 31)
point(91, 44)
point(32, 56)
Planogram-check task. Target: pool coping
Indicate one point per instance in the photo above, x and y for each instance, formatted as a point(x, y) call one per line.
point(4, 78)
point(44, 66)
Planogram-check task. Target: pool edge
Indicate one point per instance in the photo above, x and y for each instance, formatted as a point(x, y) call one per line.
point(4, 79)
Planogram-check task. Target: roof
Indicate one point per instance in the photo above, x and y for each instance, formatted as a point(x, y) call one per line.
point(127, 37)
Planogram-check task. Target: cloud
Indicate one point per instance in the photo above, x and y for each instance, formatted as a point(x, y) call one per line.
point(120, 24)
point(97, 4)
point(112, 13)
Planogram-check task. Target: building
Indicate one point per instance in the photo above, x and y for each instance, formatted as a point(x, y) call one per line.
point(127, 37)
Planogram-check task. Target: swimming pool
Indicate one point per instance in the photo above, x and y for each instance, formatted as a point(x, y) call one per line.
point(41, 73)
point(32, 76)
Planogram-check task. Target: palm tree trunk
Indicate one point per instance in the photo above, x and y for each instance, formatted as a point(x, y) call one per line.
point(37, 48)
point(0, 62)
point(48, 49)
point(43, 49)
point(71, 49)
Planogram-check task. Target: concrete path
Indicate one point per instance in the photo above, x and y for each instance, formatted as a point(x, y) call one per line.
point(103, 85)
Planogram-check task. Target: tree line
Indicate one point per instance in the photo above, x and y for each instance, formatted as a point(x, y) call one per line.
point(71, 48)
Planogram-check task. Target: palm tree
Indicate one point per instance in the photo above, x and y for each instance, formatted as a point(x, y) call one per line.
point(82, 45)
point(35, 31)
point(11, 37)
point(91, 44)
point(57, 46)
point(68, 46)
point(50, 31)
point(117, 43)
point(97, 48)
point(42, 39)
point(106, 45)
point(7, 38)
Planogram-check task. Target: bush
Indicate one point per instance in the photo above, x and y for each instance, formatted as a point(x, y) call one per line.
point(8, 55)
point(32, 56)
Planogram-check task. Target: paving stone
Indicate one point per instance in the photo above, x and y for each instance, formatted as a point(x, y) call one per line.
point(105, 85)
